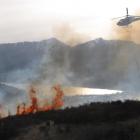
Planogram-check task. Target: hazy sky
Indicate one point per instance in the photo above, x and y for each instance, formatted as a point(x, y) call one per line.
point(26, 20)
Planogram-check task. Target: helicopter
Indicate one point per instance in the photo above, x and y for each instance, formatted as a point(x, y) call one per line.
point(127, 20)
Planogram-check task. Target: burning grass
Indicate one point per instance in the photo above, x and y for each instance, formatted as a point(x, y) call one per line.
point(36, 105)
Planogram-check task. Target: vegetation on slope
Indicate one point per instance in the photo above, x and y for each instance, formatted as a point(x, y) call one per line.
point(107, 121)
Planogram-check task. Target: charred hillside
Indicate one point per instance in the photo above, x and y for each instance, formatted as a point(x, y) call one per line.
point(108, 121)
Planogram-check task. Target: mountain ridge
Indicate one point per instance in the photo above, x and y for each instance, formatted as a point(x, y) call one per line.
point(96, 64)
point(53, 39)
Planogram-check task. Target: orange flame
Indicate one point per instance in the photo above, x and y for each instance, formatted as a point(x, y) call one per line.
point(57, 102)
point(34, 107)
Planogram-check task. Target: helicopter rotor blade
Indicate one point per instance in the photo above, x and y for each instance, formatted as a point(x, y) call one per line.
point(137, 16)
point(118, 17)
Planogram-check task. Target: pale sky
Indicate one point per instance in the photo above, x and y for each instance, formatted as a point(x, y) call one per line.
point(27, 20)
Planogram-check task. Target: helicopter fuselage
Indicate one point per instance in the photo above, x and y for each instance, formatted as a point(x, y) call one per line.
point(128, 20)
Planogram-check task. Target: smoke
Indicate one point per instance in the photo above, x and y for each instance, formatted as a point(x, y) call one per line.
point(54, 67)
point(67, 33)
point(129, 33)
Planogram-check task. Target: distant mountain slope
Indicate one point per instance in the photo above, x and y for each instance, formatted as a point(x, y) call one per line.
point(98, 63)
point(19, 55)
point(24, 58)
point(106, 64)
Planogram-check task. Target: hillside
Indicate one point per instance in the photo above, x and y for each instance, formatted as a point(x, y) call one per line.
point(106, 64)
point(98, 121)
point(21, 61)
point(110, 64)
